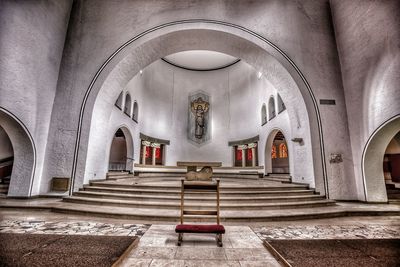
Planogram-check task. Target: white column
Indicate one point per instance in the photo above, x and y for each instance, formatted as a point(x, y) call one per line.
point(253, 154)
point(144, 155)
point(153, 161)
point(243, 157)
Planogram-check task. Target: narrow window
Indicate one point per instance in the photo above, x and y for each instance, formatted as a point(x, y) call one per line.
point(263, 114)
point(271, 108)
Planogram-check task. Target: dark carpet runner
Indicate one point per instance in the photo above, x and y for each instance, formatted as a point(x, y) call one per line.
point(61, 250)
point(339, 252)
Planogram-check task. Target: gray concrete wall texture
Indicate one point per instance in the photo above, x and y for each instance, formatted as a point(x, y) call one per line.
point(368, 38)
point(32, 37)
point(347, 51)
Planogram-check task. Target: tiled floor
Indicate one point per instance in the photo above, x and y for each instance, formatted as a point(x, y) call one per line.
point(367, 227)
point(329, 232)
point(242, 241)
point(71, 228)
point(241, 247)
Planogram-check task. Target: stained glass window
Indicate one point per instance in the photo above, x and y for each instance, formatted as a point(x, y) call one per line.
point(283, 151)
point(249, 154)
point(148, 155)
point(238, 154)
point(273, 152)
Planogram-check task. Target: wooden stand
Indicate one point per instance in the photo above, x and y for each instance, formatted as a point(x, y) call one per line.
point(209, 186)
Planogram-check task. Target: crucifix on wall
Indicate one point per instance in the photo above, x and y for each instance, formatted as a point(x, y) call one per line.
point(199, 117)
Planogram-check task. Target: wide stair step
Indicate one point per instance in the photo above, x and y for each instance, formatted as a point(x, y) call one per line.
point(393, 192)
point(283, 178)
point(176, 186)
point(118, 175)
point(175, 191)
point(141, 199)
point(4, 188)
point(146, 214)
point(216, 175)
point(196, 206)
point(210, 198)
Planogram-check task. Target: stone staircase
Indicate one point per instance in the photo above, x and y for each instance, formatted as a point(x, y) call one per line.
point(124, 175)
point(4, 184)
point(393, 193)
point(284, 178)
point(158, 198)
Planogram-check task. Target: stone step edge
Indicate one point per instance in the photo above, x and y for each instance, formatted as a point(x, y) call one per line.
point(296, 215)
point(205, 198)
point(178, 191)
point(288, 180)
point(215, 175)
point(156, 205)
point(177, 187)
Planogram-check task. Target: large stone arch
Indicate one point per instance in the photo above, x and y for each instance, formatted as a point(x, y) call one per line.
point(24, 166)
point(372, 160)
point(227, 38)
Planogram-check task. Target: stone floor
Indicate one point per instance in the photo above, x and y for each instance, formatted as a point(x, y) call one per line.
point(241, 247)
point(242, 241)
point(72, 228)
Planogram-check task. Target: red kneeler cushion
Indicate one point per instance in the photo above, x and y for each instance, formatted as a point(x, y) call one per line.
point(200, 228)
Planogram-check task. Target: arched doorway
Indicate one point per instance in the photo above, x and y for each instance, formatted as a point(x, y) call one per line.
point(277, 153)
point(19, 159)
point(373, 160)
point(391, 168)
point(121, 151)
point(6, 161)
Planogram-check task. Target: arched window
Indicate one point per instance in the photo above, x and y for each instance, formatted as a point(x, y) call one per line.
point(283, 151)
point(128, 105)
point(135, 115)
point(118, 103)
point(273, 152)
point(271, 108)
point(281, 105)
point(263, 114)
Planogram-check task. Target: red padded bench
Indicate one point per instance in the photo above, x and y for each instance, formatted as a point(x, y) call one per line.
point(200, 229)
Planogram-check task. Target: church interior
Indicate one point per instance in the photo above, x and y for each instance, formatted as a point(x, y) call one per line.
point(194, 133)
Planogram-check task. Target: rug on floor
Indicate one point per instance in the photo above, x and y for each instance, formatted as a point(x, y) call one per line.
point(61, 250)
point(339, 252)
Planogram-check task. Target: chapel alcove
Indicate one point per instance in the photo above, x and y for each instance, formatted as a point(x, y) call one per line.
point(120, 151)
point(279, 154)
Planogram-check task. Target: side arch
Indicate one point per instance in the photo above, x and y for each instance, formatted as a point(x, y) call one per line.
point(23, 171)
point(129, 147)
point(372, 160)
point(268, 147)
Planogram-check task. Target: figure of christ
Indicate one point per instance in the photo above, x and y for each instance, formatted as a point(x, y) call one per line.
point(199, 109)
